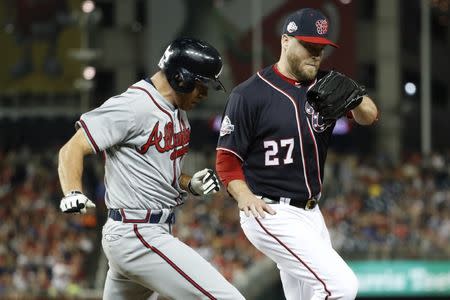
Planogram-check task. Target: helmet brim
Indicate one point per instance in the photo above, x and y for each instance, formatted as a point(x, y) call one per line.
point(210, 83)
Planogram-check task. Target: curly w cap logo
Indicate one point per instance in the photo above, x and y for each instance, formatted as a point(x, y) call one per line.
point(291, 27)
point(322, 26)
point(226, 127)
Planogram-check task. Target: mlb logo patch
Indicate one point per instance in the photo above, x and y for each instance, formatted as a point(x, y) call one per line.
point(226, 127)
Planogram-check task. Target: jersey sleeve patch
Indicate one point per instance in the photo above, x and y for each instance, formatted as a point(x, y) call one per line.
point(226, 127)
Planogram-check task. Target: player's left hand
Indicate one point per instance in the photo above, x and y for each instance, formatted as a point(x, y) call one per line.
point(249, 204)
point(75, 202)
point(204, 182)
point(334, 95)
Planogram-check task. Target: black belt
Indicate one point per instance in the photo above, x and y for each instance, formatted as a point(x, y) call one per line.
point(307, 204)
point(153, 216)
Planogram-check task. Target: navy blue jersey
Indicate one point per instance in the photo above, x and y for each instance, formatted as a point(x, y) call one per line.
point(281, 141)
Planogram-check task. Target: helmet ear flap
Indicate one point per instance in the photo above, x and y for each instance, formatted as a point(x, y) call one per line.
point(184, 81)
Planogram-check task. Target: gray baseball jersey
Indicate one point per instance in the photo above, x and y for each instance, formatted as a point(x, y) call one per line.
point(144, 139)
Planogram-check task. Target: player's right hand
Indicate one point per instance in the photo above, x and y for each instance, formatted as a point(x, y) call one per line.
point(255, 206)
point(75, 202)
point(204, 182)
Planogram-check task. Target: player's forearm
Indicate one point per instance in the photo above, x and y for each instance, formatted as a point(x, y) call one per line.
point(70, 169)
point(365, 113)
point(239, 189)
point(70, 162)
point(184, 181)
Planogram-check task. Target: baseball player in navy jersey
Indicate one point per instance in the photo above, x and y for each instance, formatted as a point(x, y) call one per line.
point(143, 134)
point(271, 154)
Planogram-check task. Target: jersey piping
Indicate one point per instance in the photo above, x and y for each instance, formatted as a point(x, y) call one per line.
point(90, 138)
point(298, 129)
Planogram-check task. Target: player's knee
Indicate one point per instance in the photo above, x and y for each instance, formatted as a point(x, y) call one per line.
point(231, 296)
point(347, 287)
point(236, 295)
point(229, 293)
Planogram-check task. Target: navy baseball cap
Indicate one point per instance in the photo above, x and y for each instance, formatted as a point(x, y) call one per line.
point(308, 25)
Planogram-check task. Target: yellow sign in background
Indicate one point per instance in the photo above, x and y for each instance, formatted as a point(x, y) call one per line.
point(35, 43)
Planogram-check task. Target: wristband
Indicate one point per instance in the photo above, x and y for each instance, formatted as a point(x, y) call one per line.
point(191, 190)
point(73, 193)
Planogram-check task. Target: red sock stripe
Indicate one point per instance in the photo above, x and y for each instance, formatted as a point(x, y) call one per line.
point(296, 256)
point(172, 264)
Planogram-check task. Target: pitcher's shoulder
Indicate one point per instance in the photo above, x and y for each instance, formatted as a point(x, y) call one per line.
point(254, 86)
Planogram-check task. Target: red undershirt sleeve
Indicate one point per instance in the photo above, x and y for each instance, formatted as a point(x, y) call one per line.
point(228, 167)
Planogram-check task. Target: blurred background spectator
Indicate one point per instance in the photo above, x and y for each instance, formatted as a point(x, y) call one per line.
point(42, 252)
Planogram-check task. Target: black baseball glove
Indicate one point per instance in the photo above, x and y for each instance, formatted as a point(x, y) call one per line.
point(334, 95)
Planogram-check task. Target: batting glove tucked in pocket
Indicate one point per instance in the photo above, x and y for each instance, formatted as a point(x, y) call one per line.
point(75, 202)
point(204, 182)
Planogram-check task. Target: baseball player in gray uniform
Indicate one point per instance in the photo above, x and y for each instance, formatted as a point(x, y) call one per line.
point(143, 135)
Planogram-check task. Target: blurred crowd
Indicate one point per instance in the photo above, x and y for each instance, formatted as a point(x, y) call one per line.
point(374, 209)
point(42, 251)
point(379, 210)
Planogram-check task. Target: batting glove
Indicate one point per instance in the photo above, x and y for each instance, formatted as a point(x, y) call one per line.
point(204, 182)
point(75, 202)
